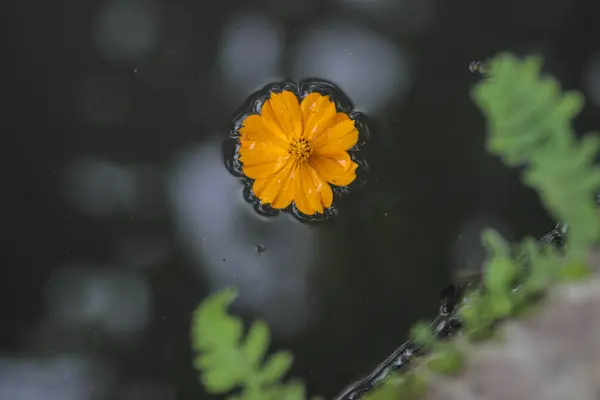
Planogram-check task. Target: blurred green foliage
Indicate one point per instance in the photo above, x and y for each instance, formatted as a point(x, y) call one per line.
point(230, 360)
point(529, 126)
point(529, 123)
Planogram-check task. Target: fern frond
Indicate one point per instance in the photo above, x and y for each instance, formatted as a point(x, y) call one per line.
point(228, 361)
point(529, 124)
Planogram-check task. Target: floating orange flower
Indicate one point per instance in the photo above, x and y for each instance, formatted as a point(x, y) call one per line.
point(294, 151)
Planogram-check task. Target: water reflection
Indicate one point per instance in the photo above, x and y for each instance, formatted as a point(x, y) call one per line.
point(105, 98)
point(97, 187)
point(116, 301)
point(54, 378)
point(126, 30)
point(292, 10)
point(142, 251)
point(250, 53)
point(591, 78)
point(407, 17)
point(219, 228)
point(147, 391)
point(170, 65)
point(103, 188)
point(367, 67)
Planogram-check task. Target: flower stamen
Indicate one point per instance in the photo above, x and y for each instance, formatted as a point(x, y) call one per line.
point(300, 149)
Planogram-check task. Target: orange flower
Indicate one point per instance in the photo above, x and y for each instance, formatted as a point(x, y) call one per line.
point(294, 151)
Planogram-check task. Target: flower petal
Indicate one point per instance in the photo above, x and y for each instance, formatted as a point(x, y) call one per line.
point(335, 167)
point(318, 112)
point(278, 189)
point(261, 159)
point(287, 190)
point(313, 194)
point(285, 110)
point(261, 128)
point(343, 135)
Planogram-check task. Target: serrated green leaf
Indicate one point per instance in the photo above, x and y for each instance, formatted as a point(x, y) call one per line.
point(276, 367)
point(228, 361)
point(422, 334)
point(543, 266)
point(211, 323)
point(495, 244)
point(448, 360)
point(215, 336)
point(529, 123)
point(574, 271)
point(294, 390)
point(393, 387)
point(500, 305)
point(257, 342)
point(500, 275)
point(417, 382)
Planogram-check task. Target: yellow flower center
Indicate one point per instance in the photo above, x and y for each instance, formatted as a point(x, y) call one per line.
point(300, 148)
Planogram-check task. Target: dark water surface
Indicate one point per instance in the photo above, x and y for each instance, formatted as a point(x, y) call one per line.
point(123, 217)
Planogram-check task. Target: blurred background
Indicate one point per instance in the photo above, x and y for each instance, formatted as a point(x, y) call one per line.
point(122, 217)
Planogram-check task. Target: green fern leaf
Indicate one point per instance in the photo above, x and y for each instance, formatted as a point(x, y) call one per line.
point(228, 361)
point(529, 124)
point(275, 367)
point(216, 337)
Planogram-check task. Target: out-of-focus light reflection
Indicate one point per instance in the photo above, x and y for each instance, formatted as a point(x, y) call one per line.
point(126, 30)
point(403, 16)
point(117, 301)
point(98, 187)
point(469, 253)
point(292, 9)
point(170, 64)
point(56, 378)
point(591, 79)
point(250, 53)
point(555, 13)
point(369, 69)
point(104, 99)
point(148, 191)
point(102, 188)
point(143, 251)
point(223, 232)
point(147, 391)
